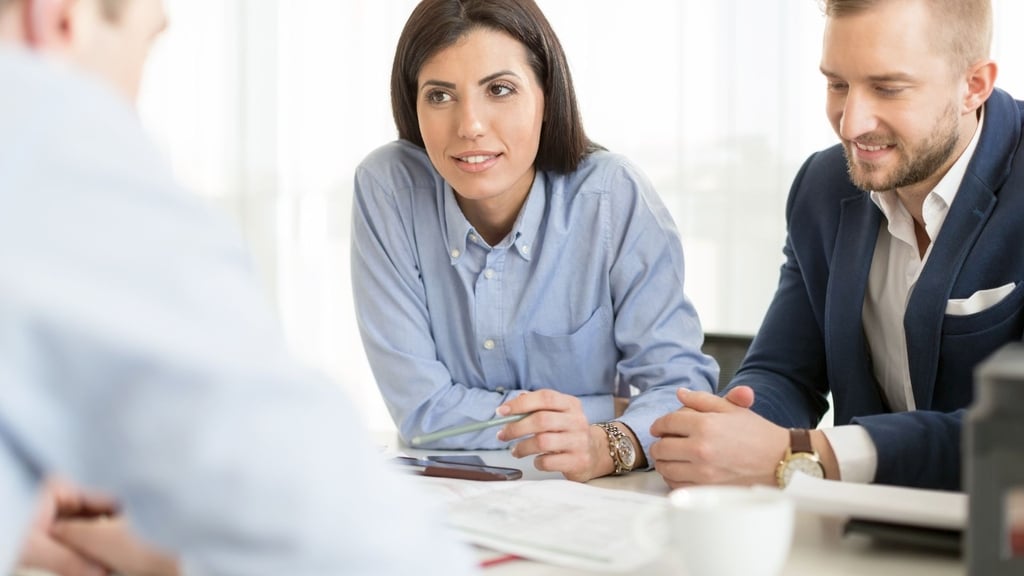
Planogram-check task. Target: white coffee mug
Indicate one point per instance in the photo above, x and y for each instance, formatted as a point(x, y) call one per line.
point(730, 531)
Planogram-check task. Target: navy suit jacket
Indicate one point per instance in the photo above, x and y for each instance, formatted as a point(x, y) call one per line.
point(812, 339)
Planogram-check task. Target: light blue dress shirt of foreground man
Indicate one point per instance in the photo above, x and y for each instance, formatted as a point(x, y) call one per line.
point(138, 357)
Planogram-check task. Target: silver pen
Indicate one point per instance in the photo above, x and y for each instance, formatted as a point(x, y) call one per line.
point(466, 428)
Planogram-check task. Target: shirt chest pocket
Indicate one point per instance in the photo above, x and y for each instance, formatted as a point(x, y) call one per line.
point(581, 362)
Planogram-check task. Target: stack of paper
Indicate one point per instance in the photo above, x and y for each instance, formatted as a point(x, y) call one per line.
point(559, 522)
point(912, 506)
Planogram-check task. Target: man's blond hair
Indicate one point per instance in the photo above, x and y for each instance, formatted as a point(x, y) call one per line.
point(964, 26)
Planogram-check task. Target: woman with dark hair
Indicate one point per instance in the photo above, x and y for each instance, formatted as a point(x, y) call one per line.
point(503, 263)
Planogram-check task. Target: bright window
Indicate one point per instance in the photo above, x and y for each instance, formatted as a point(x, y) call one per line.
point(267, 106)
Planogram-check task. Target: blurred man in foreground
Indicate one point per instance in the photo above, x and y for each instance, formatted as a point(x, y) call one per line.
point(138, 358)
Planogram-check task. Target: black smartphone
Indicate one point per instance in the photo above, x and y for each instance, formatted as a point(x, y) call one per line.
point(448, 469)
point(471, 459)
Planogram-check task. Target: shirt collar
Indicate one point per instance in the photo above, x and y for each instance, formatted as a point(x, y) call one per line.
point(950, 183)
point(527, 226)
point(524, 231)
point(938, 201)
point(456, 224)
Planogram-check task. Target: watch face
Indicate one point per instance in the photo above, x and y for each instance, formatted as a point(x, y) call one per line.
point(626, 452)
point(802, 462)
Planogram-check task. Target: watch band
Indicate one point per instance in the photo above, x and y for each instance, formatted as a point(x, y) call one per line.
point(615, 436)
point(800, 441)
point(799, 457)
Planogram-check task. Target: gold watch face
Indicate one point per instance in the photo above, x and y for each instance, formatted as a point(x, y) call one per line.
point(801, 462)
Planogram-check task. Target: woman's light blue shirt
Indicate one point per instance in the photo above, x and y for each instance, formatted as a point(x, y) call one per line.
point(584, 296)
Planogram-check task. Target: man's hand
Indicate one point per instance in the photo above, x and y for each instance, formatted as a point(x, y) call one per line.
point(715, 440)
point(559, 434)
point(110, 541)
point(42, 550)
point(75, 533)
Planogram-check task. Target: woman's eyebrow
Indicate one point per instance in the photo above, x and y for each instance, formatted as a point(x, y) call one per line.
point(496, 75)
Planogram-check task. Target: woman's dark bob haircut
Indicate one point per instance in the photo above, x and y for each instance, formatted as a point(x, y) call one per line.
point(437, 24)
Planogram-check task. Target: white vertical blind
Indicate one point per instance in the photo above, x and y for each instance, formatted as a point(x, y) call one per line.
point(267, 106)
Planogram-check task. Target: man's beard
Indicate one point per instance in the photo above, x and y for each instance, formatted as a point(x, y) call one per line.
point(914, 166)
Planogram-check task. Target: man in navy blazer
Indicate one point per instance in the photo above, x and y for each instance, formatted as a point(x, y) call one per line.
point(904, 261)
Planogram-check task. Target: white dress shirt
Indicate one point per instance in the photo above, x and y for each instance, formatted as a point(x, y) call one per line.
point(895, 268)
point(139, 357)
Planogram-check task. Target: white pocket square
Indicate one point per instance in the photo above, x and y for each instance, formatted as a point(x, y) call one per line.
point(980, 300)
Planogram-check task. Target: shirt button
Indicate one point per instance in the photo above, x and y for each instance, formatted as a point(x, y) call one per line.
point(500, 389)
point(473, 238)
point(526, 248)
point(455, 253)
point(489, 273)
point(488, 344)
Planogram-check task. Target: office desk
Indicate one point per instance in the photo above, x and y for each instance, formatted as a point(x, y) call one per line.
point(819, 548)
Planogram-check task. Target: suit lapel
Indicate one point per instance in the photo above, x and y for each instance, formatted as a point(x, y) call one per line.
point(971, 208)
point(927, 307)
point(848, 358)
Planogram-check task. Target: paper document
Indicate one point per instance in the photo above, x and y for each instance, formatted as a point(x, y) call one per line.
point(914, 506)
point(559, 522)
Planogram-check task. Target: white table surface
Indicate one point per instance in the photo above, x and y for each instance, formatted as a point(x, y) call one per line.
point(819, 547)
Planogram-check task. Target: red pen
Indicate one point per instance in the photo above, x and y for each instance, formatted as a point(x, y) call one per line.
point(494, 561)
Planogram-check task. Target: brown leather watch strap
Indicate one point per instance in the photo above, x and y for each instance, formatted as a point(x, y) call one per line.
point(800, 441)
